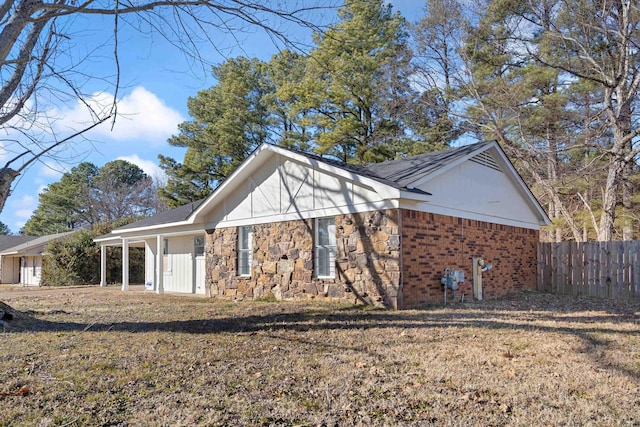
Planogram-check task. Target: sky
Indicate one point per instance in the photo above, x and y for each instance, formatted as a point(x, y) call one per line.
point(156, 80)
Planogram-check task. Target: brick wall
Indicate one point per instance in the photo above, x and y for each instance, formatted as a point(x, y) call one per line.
point(431, 243)
point(367, 261)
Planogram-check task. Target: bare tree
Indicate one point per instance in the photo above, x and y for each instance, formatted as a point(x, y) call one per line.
point(556, 82)
point(598, 42)
point(37, 72)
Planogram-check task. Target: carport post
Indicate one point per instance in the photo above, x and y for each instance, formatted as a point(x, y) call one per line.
point(103, 265)
point(159, 266)
point(125, 264)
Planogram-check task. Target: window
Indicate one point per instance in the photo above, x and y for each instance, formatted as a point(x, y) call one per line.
point(166, 262)
point(325, 247)
point(198, 245)
point(245, 235)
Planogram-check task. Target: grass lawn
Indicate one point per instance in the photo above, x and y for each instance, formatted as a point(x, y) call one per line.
point(109, 358)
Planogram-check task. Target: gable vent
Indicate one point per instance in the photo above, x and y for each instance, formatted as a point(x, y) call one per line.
point(486, 159)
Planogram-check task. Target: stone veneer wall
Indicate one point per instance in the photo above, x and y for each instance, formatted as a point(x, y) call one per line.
point(431, 243)
point(368, 256)
point(367, 261)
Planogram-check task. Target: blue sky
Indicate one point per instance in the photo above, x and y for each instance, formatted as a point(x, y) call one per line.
point(156, 81)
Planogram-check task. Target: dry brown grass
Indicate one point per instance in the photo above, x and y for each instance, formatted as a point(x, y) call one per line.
point(107, 358)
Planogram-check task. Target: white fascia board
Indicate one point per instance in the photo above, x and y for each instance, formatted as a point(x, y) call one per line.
point(106, 241)
point(416, 197)
point(156, 229)
point(20, 249)
point(34, 252)
point(116, 241)
point(142, 234)
point(515, 177)
point(317, 213)
point(25, 252)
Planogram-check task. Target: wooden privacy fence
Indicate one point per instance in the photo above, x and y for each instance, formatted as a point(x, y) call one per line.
point(599, 269)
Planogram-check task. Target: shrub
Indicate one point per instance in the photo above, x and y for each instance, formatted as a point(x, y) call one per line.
point(75, 260)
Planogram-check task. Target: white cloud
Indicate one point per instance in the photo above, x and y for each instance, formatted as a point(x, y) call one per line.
point(142, 116)
point(24, 213)
point(148, 166)
point(24, 207)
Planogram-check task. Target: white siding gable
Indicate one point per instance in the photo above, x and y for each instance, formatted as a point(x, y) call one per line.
point(479, 189)
point(297, 187)
point(285, 189)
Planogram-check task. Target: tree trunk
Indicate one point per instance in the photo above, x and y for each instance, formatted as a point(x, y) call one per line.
point(627, 203)
point(620, 120)
point(609, 200)
point(7, 176)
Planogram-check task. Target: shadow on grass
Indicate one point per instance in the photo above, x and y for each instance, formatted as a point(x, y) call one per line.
point(587, 319)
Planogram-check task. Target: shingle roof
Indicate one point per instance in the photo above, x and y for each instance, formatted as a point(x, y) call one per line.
point(180, 213)
point(34, 242)
point(404, 172)
point(10, 241)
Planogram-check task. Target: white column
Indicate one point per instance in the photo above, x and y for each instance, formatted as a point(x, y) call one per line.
point(125, 264)
point(159, 266)
point(103, 265)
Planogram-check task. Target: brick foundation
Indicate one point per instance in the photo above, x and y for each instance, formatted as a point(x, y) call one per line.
point(431, 243)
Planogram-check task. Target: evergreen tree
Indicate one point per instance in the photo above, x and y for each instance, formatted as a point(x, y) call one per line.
point(438, 35)
point(62, 205)
point(88, 195)
point(354, 78)
point(4, 229)
point(287, 125)
point(230, 121)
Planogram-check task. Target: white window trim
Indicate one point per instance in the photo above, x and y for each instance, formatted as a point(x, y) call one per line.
point(167, 264)
point(330, 247)
point(244, 229)
point(195, 246)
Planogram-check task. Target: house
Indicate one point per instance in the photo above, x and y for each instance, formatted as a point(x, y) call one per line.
point(293, 225)
point(21, 258)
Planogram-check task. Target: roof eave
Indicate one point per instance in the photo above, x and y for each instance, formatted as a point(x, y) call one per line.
point(415, 196)
point(120, 233)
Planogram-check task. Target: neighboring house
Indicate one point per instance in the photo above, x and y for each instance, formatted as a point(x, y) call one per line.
point(293, 225)
point(21, 258)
